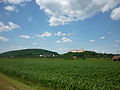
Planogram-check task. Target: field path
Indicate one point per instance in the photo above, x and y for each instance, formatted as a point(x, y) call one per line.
point(7, 83)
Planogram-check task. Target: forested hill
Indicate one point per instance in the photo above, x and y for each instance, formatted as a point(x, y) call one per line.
point(88, 54)
point(35, 53)
point(29, 53)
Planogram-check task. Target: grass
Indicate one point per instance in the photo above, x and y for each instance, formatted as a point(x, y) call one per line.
point(7, 83)
point(66, 74)
point(13, 83)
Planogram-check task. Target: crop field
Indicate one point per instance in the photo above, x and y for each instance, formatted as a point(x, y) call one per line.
point(66, 74)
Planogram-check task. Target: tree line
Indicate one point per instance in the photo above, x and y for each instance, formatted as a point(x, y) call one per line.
point(87, 54)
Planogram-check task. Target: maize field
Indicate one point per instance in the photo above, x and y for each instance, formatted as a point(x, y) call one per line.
point(66, 74)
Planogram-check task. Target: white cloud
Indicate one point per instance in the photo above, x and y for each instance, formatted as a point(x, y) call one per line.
point(115, 15)
point(25, 36)
point(30, 19)
point(63, 49)
point(1, 1)
point(62, 34)
point(22, 4)
point(118, 41)
point(45, 34)
point(116, 46)
point(117, 51)
point(109, 32)
point(102, 37)
point(20, 46)
point(8, 27)
point(65, 11)
point(10, 8)
point(34, 43)
point(92, 40)
point(37, 44)
point(64, 40)
point(16, 1)
point(58, 41)
point(3, 39)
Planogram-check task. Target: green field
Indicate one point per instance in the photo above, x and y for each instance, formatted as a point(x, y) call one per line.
point(65, 74)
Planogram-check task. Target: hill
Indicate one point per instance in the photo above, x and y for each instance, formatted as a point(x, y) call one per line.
point(29, 53)
point(88, 54)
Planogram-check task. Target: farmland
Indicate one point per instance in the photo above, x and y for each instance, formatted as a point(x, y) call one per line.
point(66, 74)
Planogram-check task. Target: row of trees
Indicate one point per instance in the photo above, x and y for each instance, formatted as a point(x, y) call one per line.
point(87, 54)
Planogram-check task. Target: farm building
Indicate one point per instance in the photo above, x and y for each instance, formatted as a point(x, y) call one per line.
point(78, 51)
point(74, 57)
point(116, 58)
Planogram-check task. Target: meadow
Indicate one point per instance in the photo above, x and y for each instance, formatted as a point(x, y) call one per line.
point(66, 74)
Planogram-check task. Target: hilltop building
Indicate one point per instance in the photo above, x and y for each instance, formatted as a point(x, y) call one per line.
point(116, 58)
point(78, 51)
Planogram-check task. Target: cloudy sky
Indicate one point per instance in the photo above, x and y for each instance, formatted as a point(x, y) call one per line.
point(60, 25)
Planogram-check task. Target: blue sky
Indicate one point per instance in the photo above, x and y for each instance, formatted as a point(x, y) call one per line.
point(60, 25)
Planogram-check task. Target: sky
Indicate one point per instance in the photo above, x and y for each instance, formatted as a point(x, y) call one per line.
point(60, 25)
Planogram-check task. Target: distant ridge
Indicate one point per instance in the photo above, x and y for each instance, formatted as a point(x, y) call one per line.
point(29, 53)
point(88, 54)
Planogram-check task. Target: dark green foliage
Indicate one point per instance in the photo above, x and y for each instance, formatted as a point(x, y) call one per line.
point(29, 53)
point(88, 54)
point(66, 74)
